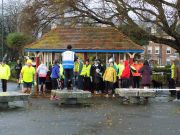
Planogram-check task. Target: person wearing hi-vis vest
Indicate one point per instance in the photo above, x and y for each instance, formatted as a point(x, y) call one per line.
point(28, 76)
point(85, 74)
point(136, 75)
point(68, 58)
point(78, 64)
point(120, 70)
point(4, 74)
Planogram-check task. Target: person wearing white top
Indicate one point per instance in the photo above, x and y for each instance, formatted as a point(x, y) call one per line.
point(42, 73)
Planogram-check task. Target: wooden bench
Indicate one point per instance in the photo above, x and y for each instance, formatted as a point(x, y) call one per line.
point(72, 97)
point(6, 97)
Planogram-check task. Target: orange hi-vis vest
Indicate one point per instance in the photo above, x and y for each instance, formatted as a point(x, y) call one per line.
point(137, 67)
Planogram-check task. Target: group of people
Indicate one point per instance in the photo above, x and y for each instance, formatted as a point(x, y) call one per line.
point(99, 78)
point(73, 73)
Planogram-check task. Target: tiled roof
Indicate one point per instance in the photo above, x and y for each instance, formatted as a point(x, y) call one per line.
point(89, 38)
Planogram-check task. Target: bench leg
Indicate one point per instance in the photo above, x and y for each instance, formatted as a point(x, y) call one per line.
point(145, 100)
point(4, 105)
point(68, 101)
point(74, 101)
point(134, 100)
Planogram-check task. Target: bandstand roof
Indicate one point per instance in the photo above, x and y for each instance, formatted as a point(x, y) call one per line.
point(84, 39)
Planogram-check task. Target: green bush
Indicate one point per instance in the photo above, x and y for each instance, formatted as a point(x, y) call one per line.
point(17, 40)
point(162, 69)
point(13, 72)
point(162, 74)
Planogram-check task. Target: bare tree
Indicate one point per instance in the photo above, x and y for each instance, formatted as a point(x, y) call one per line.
point(12, 10)
point(38, 14)
point(165, 14)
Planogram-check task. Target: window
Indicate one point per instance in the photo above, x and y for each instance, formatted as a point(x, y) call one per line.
point(168, 62)
point(149, 51)
point(168, 50)
point(157, 50)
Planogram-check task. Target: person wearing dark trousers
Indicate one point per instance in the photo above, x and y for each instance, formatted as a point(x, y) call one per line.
point(171, 81)
point(136, 75)
point(55, 75)
point(110, 77)
point(85, 74)
point(4, 74)
point(146, 73)
point(125, 76)
point(96, 72)
point(68, 80)
point(4, 85)
point(177, 80)
point(68, 58)
point(18, 68)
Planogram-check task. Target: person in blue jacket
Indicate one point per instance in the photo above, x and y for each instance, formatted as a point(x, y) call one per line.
point(55, 75)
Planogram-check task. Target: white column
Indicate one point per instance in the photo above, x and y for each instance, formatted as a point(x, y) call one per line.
point(96, 56)
point(47, 56)
point(51, 58)
point(106, 58)
point(45, 59)
point(124, 56)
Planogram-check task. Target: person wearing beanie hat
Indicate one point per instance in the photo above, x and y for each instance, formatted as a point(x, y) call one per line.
point(96, 73)
point(111, 60)
point(28, 76)
point(4, 74)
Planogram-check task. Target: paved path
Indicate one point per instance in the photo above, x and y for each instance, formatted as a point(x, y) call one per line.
point(10, 86)
point(104, 117)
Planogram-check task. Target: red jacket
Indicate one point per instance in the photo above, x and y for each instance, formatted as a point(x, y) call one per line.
point(126, 71)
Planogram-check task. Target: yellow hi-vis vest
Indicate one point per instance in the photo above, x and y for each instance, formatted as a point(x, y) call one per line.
point(172, 71)
point(61, 70)
point(86, 71)
point(5, 72)
point(121, 68)
point(76, 66)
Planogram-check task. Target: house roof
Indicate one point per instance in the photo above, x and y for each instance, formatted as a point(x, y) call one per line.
point(84, 39)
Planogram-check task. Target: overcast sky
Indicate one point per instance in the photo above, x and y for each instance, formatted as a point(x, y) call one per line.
point(6, 1)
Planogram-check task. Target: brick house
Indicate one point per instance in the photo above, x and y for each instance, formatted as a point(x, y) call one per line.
point(160, 54)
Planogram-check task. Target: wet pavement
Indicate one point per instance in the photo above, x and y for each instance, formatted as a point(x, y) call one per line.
point(104, 117)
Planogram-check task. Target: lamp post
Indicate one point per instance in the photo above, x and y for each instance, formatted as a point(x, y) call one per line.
point(2, 30)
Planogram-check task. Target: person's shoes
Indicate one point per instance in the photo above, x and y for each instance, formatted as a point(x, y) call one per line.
point(44, 94)
point(176, 100)
point(95, 92)
point(74, 88)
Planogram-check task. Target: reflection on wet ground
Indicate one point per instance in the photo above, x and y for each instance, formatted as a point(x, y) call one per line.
point(103, 117)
